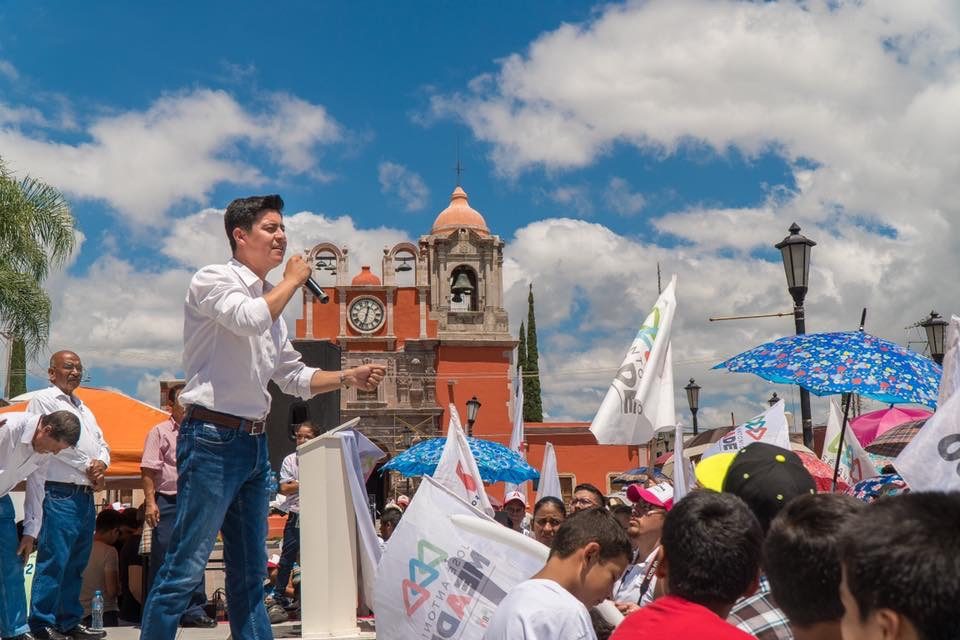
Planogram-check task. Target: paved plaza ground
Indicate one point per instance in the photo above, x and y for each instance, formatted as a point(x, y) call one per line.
point(222, 632)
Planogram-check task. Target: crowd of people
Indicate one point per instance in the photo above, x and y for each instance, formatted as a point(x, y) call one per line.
point(767, 558)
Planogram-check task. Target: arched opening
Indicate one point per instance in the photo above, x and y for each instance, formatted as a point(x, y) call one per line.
point(463, 289)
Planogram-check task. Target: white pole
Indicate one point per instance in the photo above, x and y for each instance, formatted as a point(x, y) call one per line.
point(328, 543)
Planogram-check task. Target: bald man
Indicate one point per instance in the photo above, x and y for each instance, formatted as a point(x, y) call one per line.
point(66, 534)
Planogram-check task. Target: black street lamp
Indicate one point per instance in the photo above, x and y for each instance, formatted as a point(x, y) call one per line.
point(693, 399)
point(774, 399)
point(936, 327)
point(795, 251)
point(473, 407)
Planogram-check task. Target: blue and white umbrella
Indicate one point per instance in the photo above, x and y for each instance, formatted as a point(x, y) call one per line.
point(496, 462)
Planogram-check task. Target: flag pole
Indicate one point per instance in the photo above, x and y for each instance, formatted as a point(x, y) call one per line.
point(846, 413)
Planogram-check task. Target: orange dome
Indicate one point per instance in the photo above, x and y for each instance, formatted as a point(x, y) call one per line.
point(459, 214)
point(365, 278)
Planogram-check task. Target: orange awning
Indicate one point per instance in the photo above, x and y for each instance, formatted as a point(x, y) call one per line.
point(125, 422)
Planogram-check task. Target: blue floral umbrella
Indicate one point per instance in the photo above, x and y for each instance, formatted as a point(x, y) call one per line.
point(496, 462)
point(844, 362)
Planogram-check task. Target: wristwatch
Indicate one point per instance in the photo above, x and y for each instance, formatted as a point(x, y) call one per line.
point(343, 380)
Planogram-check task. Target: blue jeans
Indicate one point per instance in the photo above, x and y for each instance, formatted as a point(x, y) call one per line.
point(63, 549)
point(288, 554)
point(158, 549)
point(13, 599)
point(222, 486)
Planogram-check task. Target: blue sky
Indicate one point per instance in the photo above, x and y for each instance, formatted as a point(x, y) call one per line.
point(597, 140)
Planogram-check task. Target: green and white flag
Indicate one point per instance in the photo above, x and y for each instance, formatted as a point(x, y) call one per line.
point(640, 398)
point(770, 427)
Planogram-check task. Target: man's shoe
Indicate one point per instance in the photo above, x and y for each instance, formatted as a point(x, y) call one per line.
point(81, 632)
point(47, 633)
point(22, 636)
point(201, 621)
point(276, 614)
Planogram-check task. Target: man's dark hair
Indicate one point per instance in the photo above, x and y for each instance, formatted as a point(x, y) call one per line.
point(64, 427)
point(314, 429)
point(391, 516)
point(551, 500)
point(712, 543)
point(902, 553)
point(108, 520)
point(586, 486)
point(801, 556)
point(130, 518)
point(591, 525)
point(622, 509)
point(172, 392)
point(244, 212)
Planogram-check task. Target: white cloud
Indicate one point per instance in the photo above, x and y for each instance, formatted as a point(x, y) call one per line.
point(622, 199)
point(858, 98)
point(179, 149)
point(118, 316)
point(148, 387)
point(8, 70)
point(397, 180)
point(576, 198)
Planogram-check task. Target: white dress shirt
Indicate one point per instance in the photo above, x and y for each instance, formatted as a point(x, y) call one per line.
point(231, 346)
point(18, 460)
point(71, 465)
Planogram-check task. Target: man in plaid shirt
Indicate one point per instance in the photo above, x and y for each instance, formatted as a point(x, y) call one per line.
point(766, 477)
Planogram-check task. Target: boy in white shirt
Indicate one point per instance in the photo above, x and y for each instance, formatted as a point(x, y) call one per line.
point(590, 552)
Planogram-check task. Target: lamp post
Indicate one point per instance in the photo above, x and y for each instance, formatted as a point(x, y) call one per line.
point(693, 399)
point(795, 251)
point(935, 326)
point(774, 399)
point(473, 407)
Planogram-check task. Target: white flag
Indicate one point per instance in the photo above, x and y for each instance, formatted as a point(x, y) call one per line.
point(457, 469)
point(680, 469)
point(931, 462)
point(855, 464)
point(358, 452)
point(640, 398)
point(950, 381)
point(438, 580)
point(549, 478)
point(770, 426)
point(516, 436)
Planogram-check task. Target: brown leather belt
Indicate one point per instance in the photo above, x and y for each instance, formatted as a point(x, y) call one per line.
point(253, 427)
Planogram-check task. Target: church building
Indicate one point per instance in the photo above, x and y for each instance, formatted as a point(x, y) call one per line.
point(432, 313)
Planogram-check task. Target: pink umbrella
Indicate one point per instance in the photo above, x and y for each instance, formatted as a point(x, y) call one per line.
point(870, 426)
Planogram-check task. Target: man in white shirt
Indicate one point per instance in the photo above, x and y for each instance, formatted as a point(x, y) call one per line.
point(26, 444)
point(66, 536)
point(235, 342)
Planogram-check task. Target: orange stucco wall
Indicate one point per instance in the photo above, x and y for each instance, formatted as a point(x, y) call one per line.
point(406, 315)
point(581, 456)
point(481, 372)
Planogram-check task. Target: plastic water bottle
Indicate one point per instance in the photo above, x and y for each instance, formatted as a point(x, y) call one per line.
point(96, 612)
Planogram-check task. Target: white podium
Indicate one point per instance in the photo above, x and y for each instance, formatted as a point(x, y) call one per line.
point(328, 541)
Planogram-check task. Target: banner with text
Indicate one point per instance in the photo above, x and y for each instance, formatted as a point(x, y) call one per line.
point(440, 581)
point(770, 426)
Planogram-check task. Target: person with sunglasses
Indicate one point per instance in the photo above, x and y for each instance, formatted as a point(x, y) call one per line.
point(650, 506)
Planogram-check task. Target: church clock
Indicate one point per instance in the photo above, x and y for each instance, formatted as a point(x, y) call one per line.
point(366, 314)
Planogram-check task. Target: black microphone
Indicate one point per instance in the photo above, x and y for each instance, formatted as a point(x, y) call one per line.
point(316, 290)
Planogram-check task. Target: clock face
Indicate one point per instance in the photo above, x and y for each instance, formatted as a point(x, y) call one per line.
point(366, 314)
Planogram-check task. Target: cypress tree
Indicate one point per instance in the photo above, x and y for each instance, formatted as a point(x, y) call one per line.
point(532, 404)
point(522, 349)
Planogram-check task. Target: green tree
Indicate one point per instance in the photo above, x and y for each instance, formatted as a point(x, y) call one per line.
point(37, 233)
point(522, 349)
point(532, 404)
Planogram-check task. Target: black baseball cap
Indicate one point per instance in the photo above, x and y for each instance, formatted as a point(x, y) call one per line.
point(767, 477)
